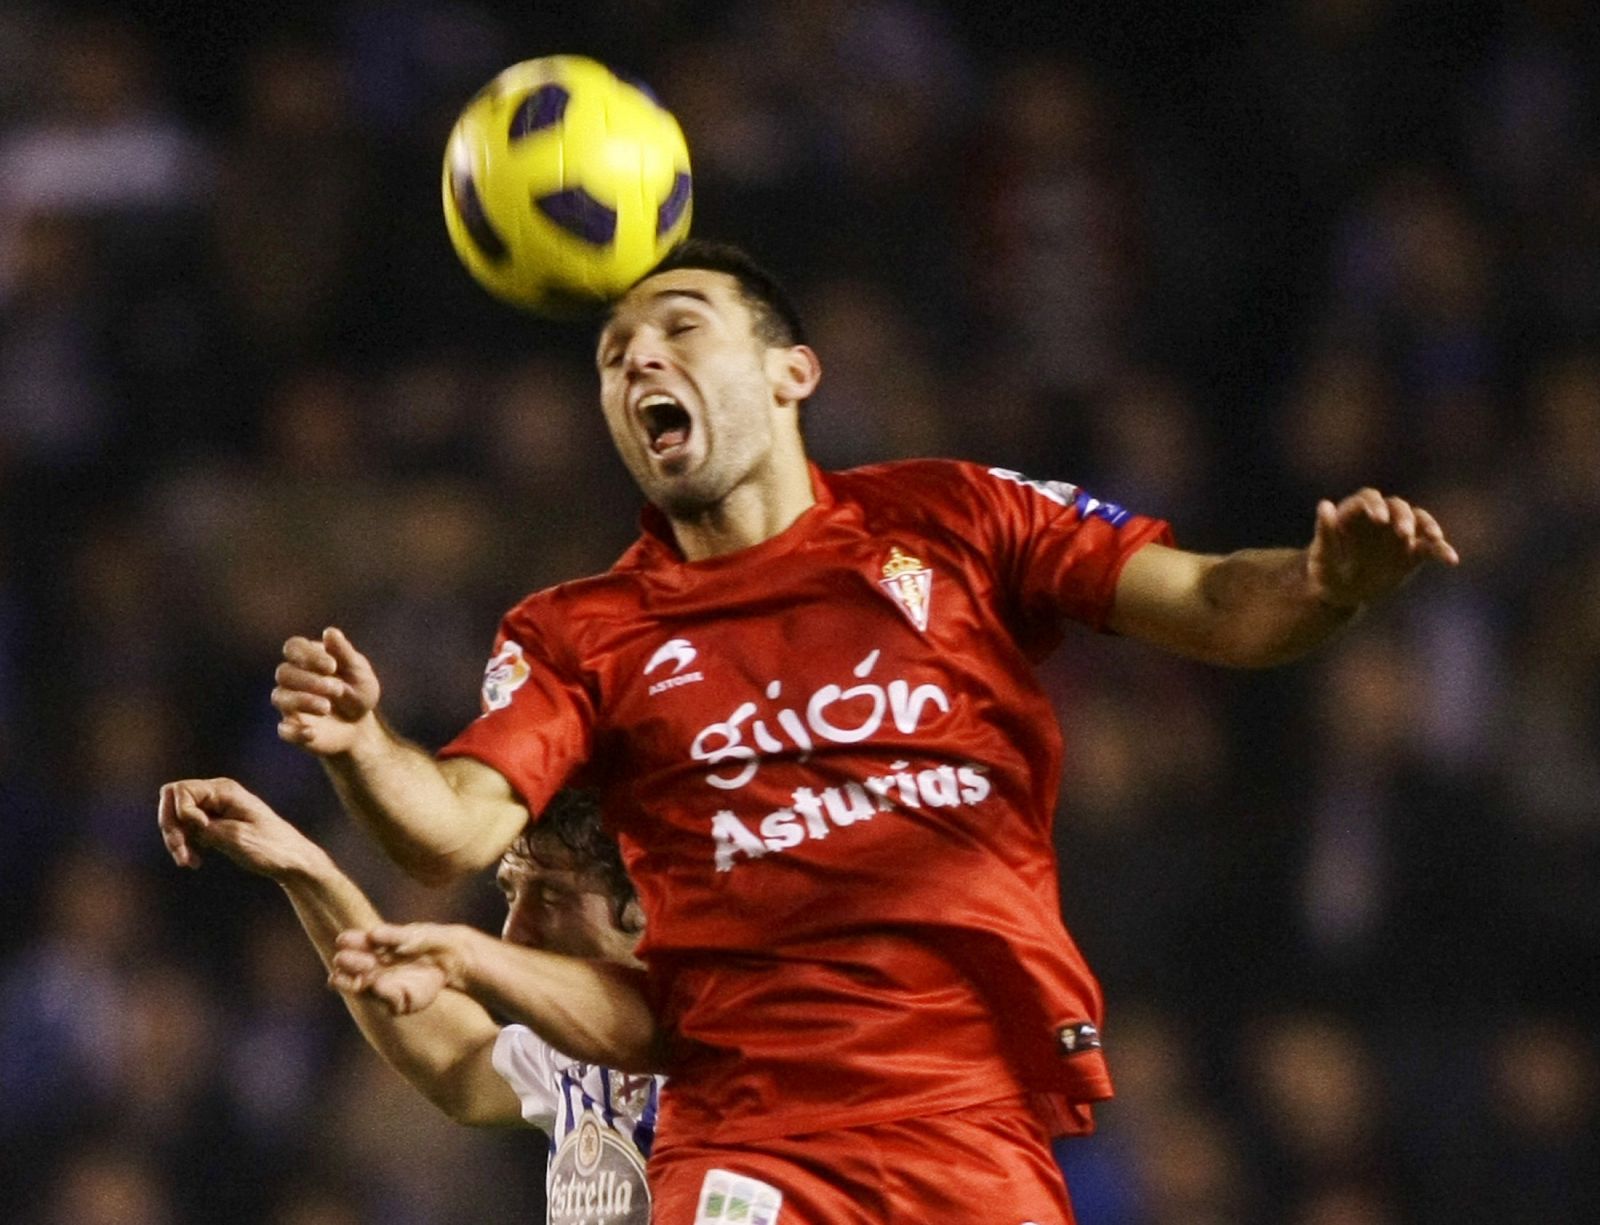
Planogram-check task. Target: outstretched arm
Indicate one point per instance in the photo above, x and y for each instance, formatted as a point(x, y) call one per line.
point(436, 819)
point(589, 1009)
point(445, 1052)
point(1259, 607)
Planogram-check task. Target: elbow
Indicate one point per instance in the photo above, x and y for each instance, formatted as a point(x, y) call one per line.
point(646, 1055)
point(470, 1114)
point(464, 1107)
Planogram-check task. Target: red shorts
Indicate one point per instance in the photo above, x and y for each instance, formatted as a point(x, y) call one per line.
point(983, 1165)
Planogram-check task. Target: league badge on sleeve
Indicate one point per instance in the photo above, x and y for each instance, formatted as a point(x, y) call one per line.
point(910, 585)
point(727, 1198)
point(503, 676)
point(1064, 493)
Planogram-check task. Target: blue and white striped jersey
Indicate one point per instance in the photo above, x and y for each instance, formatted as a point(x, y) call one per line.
point(600, 1122)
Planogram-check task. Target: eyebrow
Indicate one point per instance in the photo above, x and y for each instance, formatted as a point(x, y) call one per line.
point(660, 294)
point(680, 293)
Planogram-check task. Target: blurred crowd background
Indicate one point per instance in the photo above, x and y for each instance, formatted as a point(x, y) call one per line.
point(1211, 261)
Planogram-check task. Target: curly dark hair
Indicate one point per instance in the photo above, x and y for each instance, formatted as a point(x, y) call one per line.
point(573, 817)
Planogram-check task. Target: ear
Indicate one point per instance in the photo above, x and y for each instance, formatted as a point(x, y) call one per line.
point(632, 917)
point(794, 372)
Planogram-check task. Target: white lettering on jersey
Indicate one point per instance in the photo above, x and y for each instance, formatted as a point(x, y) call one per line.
point(813, 817)
point(832, 713)
point(680, 653)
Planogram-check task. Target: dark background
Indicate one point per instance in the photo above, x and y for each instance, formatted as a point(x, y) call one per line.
point(1210, 261)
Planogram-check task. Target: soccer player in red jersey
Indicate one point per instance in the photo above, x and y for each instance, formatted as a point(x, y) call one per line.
point(808, 701)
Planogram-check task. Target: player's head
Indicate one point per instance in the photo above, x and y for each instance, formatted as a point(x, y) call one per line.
point(565, 886)
point(703, 369)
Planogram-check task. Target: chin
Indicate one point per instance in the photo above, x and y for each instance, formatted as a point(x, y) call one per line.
point(687, 497)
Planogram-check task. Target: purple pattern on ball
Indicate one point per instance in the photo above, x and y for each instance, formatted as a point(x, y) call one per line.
point(672, 207)
point(579, 213)
point(539, 110)
point(470, 209)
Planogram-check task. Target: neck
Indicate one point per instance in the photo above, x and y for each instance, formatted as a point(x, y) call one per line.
point(753, 511)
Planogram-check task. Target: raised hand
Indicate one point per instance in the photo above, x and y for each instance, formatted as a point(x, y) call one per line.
point(221, 815)
point(403, 965)
point(1367, 545)
point(326, 690)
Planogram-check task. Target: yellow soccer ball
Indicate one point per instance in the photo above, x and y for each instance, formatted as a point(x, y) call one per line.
point(564, 184)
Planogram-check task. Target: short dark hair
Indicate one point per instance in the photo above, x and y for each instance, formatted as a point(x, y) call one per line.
point(573, 817)
point(777, 322)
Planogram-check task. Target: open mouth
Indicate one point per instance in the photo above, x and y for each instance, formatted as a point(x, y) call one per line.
point(667, 423)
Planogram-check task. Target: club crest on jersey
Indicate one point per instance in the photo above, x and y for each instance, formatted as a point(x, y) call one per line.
point(503, 676)
point(910, 585)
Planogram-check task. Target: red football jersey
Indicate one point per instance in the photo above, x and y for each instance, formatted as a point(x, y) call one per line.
point(832, 774)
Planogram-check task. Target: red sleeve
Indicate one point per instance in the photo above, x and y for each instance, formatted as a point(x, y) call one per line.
point(1057, 550)
point(537, 722)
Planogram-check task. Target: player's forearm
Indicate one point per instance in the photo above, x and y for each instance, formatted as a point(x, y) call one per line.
point(325, 900)
point(1263, 608)
point(402, 796)
point(443, 1050)
point(586, 1008)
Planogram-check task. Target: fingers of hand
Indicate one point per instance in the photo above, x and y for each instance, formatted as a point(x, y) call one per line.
point(1421, 533)
point(311, 655)
point(1403, 519)
point(297, 729)
point(356, 973)
point(1366, 509)
point(291, 702)
point(391, 938)
point(354, 962)
point(1432, 539)
point(205, 798)
point(306, 680)
point(1366, 504)
point(342, 650)
point(174, 834)
point(392, 991)
point(348, 980)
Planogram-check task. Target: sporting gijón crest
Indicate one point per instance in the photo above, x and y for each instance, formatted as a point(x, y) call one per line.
point(910, 585)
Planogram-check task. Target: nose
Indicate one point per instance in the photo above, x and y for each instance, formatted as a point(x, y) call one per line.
point(646, 352)
point(522, 927)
